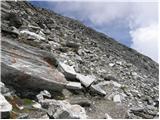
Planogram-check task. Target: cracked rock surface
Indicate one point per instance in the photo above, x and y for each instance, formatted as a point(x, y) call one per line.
point(56, 67)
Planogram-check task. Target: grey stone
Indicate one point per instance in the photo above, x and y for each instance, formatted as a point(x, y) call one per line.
point(86, 80)
point(117, 98)
point(97, 89)
point(63, 110)
point(29, 33)
point(5, 107)
point(72, 44)
point(74, 86)
point(37, 105)
point(32, 72)
point(43, 94)
point(67, 70)
point(82, 101)
point(23, 116)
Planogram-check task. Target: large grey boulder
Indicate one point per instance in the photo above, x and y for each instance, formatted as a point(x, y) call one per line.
point(28, 67)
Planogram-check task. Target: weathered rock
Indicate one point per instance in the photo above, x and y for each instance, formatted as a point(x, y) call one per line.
point(12, 31)
point(72, 45)
point(37, 105)
point(14, 19)
point(97, 89)
point(23, 116)
point(107, 116)
point(63, 110)
point(86, 80)
point(74, 86)
point(82, 101)
point(29, 68)
point(117, 98)
point(42, 95)
point(5, 107)
point(29, 33)
point(67, 70)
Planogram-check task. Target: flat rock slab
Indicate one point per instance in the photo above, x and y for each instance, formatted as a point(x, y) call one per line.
point(26, 66)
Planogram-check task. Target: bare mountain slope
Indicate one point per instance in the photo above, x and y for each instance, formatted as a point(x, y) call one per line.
point(90, 72)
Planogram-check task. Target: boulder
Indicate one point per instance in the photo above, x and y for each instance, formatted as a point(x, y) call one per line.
point(28, 67)
point(86, 80)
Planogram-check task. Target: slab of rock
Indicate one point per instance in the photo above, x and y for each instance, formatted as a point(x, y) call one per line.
point(28, 67)
point(74, 85)
point(67, 70)
point(39, 37)
point(86, 80)
point(97, 89)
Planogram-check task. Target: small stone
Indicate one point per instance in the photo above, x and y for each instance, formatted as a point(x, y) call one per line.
point(72, 44)
point(37, 105)
point(67, 70)
point(58, 109)
point(107, 116)
point(42, 95)
point(111, 64)
point(74, 85)
point(86, 80)
point(115, 84)
point(117, 98)
point(119, 62)
point(97, 89)
point(23, 116)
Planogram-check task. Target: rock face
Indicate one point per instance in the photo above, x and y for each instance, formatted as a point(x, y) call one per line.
point(87, 74)
point(28, 68)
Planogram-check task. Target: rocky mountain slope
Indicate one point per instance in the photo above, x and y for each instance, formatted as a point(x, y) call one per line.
point(56, 67)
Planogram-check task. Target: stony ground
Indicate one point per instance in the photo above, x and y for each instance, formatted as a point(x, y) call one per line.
point(56, 67)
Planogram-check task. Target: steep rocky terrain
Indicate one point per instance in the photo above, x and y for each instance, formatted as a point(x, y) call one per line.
point(56, 67)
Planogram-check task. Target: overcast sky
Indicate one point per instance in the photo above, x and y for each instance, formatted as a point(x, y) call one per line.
point(134, 24)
